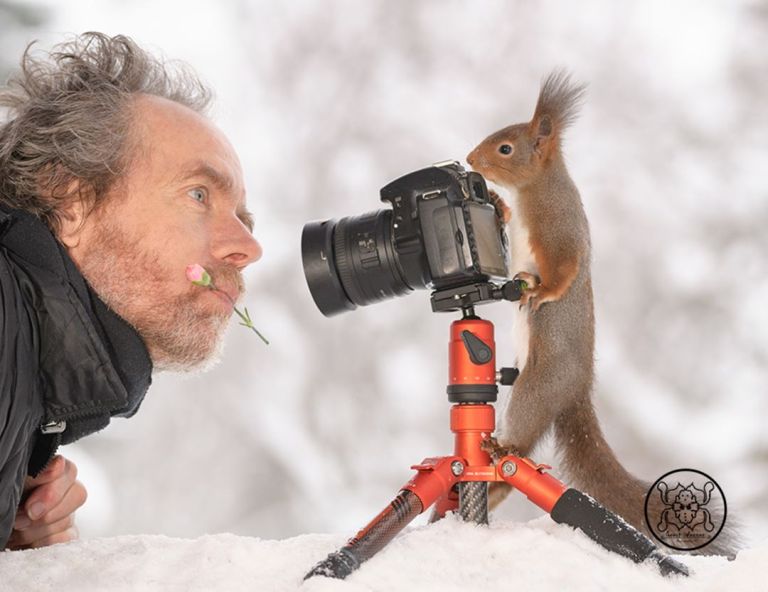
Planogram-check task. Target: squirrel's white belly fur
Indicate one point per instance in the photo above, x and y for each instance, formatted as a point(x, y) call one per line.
point(521, 259)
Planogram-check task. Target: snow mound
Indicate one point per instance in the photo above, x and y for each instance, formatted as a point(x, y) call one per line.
point(449, 555)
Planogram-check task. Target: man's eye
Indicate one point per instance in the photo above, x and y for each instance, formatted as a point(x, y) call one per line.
point(198, 194)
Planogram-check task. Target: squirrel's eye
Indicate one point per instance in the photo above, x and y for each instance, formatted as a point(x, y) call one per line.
point(505, 149)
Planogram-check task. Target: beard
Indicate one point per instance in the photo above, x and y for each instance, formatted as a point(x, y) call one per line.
point(183, 332)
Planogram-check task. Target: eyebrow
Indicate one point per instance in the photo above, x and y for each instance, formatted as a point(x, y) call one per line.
point(221, 181)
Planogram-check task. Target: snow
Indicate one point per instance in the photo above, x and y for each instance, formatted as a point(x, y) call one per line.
point(449, 555)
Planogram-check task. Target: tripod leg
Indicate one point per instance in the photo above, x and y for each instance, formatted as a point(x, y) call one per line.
point(610, 531)
point(470, 502)
point(433, 481)
point(473, 501)
point(369, 541)
point(571, 507)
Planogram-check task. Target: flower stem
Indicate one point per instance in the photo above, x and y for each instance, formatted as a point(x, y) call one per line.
point(246, 318)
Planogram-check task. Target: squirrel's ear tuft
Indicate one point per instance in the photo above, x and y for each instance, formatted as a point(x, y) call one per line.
point(544, 126)
point(542, 134)
point(558, 104)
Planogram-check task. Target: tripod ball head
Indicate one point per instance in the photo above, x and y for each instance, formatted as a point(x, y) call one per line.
point(472, 362)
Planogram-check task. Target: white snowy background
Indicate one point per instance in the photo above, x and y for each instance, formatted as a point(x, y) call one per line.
point(327, 101)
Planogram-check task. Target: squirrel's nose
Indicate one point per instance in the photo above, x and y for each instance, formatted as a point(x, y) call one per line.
point(471, 158)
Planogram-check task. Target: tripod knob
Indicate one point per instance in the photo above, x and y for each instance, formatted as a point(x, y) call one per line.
point(507, 376)
point(478, 350)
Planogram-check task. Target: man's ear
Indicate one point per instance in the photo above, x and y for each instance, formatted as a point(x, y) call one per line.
point(543, 134)
point(72, 218)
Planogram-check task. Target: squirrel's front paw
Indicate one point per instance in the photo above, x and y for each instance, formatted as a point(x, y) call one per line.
point(531, 281)
point(530, 297)
point(493, 448)
point(502, 209)
point(497, 451)
point(531, 290)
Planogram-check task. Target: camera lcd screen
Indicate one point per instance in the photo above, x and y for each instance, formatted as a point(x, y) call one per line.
point(488, 240)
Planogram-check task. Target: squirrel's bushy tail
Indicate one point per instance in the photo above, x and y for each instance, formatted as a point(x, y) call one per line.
point(591, 466)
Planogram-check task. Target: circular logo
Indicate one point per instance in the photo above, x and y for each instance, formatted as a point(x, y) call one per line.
point(685, 509)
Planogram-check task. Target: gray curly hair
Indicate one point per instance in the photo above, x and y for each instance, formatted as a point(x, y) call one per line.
point(66, 134)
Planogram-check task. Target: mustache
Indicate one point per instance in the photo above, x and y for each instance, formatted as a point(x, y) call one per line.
point(227, 276)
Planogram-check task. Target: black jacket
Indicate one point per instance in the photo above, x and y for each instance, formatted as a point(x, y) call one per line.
point(67, 363)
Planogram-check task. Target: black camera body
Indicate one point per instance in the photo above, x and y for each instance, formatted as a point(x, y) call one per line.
point(442, 232)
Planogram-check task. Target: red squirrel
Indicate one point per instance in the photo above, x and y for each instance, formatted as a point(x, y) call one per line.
point(555, 328)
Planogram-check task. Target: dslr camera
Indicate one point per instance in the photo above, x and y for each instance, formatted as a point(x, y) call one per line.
point(442, 232)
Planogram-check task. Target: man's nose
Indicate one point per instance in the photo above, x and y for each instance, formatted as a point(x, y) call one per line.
point(237, 246)
point(255, 250)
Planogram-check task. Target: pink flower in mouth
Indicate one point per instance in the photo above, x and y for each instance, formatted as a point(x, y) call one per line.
point(198, 275)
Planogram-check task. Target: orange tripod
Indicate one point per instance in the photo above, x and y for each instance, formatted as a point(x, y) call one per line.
point(460, 482)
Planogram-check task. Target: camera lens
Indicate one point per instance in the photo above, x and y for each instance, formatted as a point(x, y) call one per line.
point(351, 262)
point(320, 270)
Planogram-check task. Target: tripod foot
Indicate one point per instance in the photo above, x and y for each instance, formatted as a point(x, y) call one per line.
point(339, 565)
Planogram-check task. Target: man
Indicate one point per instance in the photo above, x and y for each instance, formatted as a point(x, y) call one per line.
point(112, 181)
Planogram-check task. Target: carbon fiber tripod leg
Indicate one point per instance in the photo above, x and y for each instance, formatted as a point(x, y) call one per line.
point(571, 507)
point(369, 541)
point(473, 501)
point(610, 531)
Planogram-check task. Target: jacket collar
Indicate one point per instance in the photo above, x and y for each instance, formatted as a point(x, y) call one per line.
point(97, 366)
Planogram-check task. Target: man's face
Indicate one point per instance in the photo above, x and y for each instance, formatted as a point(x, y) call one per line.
point(181, 202)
